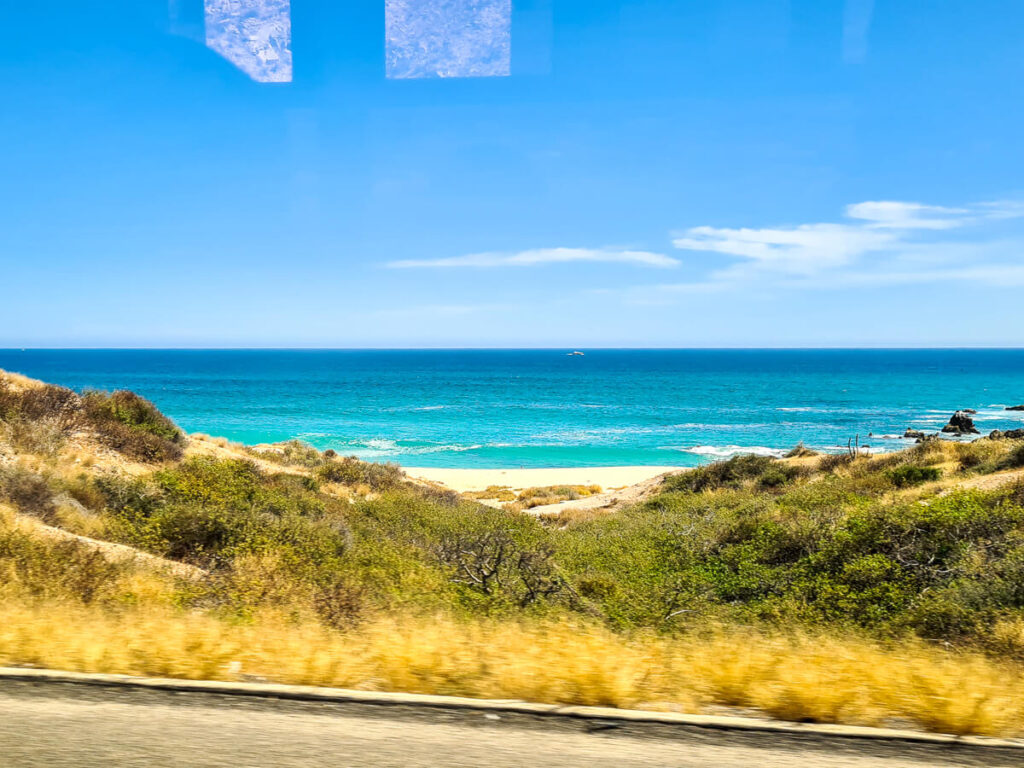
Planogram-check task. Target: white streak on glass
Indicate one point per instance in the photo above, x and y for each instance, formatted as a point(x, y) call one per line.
point(254, 35)
point(856, 25)
point(448, 38)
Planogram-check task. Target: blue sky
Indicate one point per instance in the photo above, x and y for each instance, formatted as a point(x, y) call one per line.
point(635, 173)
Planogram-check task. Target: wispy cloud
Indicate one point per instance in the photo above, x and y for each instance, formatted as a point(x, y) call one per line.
point(893, 214)
point(801, 249)
point(900, 230)
point(541, 256)
point(883, 242)
point(873, 243)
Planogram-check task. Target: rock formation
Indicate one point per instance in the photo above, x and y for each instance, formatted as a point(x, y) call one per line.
point(961, 423)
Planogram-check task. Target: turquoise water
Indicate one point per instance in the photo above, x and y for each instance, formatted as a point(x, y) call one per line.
point(542, 408)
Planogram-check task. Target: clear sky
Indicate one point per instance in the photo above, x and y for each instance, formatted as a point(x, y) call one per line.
point(631, 173)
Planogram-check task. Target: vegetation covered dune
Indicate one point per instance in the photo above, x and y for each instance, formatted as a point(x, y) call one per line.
point(821, 588)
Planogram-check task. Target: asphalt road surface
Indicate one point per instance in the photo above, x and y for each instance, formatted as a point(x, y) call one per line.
point(58, 724)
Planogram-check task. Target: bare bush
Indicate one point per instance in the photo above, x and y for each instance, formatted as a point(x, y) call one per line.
point(493, 563)
point(28, 492)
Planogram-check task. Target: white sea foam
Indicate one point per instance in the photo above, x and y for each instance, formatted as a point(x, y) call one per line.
point(575, 436)
point(440, 449)
point(996, 414)
point(380, 447)
point(727, 451)
point(380, 444)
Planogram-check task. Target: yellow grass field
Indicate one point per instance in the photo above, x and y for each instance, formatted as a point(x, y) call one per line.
point(798, 677)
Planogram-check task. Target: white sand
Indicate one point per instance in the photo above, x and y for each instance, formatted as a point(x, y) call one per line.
point(463, 480)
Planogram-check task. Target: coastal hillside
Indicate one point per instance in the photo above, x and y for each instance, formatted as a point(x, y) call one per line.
point(837, 588)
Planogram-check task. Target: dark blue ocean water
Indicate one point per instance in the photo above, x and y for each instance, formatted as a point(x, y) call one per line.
point(538, 408)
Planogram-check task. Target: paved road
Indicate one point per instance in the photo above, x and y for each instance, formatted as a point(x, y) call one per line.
point(57, 725)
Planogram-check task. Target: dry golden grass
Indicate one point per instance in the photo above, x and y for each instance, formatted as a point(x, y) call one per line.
point(533, 497)
point(496, 492)
point(553, 494)
point(567, 518)
point(793, 677)
point(76, 519)
point(19, 382)
point(579, 491)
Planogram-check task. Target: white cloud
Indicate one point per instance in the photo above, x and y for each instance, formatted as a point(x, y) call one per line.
point(891, 228)
point(892, 214)
point(1002, 209)
point(805, 248)
point(541, 256)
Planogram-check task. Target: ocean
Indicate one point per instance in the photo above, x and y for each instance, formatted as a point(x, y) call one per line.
point(545, 408)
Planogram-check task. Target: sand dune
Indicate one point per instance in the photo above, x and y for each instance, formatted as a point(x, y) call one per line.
point(463, 480)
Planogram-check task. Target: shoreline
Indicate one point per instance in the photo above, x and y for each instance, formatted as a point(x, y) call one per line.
point(466, 480)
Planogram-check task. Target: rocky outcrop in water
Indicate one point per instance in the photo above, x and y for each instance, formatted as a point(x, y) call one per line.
point(913, 434)
point(961, 423)
point(1015, 408)
point(1010, 434)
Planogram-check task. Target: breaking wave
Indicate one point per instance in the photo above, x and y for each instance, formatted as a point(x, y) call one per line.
point(728, 451)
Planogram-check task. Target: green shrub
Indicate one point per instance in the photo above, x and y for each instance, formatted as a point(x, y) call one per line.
point(292, 453)
point(38, 417)
point(978, 454)
point(133, 426)
point(876, 464)
point(926, 453)
point(733, 473)
point(1015, 458)
point(56, 570)
point(351, 471)
point(833, 461)
point(440, 496)
point(909, 475)
point(775, 477)
point(209, 511)
point(131, 410)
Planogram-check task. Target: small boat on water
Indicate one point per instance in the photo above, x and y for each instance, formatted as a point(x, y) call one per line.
point(574, 354)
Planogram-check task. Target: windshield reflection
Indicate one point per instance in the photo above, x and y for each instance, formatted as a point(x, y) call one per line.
point(254, 35)
point(448, 38)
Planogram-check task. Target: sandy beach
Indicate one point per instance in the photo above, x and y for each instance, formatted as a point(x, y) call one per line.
point(463, 480)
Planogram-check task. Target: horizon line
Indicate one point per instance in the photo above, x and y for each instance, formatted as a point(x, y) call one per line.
point(736, 348)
